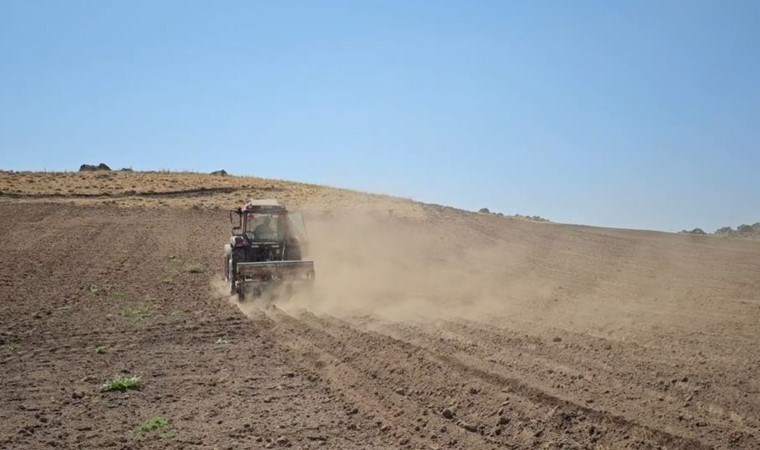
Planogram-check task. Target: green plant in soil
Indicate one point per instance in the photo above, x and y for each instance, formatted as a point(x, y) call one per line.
point(137, 313)
point(194, 268)
point(121, 383)
point(152, 424)
point(10, 347)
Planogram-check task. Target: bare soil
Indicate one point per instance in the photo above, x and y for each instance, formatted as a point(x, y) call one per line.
point(429, 328)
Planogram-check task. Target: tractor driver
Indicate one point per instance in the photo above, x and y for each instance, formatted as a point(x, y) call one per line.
point(264, 230)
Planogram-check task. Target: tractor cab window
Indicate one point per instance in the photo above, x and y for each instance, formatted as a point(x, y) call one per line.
point(297, 226)
point(264, 227)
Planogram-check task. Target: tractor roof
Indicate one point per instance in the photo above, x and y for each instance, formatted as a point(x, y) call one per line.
point(263, 202)
point(262, 205)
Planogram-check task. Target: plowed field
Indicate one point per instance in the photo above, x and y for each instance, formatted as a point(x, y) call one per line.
point(438, 329)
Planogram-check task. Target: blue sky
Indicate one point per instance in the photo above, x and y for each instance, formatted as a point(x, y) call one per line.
point(628, 114)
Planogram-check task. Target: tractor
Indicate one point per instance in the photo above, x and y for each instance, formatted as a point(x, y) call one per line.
point(266, 250)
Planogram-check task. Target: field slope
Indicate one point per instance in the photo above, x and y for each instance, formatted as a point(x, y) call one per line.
point(429, 327)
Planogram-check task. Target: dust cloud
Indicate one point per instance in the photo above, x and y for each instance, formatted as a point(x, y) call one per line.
point(455, 265)
point(377, 264)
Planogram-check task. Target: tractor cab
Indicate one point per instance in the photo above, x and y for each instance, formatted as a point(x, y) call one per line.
point(266, 246)
point(265, 222)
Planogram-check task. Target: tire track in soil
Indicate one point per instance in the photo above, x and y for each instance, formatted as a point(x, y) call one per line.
point(401, 415)
point(471, 349)
point(338, 381)
point(384, 374)
point(483, 369)
point(655, 382)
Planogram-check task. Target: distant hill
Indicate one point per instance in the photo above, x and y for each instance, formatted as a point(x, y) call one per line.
point(742, 231)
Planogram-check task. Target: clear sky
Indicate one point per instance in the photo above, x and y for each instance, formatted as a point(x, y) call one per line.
point(640, 114)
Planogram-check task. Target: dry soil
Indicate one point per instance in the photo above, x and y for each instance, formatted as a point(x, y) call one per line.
point(428, 327)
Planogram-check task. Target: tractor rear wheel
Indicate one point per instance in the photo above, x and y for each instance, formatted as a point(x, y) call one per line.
point(231, 275)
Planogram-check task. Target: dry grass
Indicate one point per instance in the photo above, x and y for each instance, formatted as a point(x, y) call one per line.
point(122, 183)
point(187, 190)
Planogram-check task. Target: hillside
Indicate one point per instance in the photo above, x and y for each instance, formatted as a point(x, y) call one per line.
point(183, 189)
point(429, 327)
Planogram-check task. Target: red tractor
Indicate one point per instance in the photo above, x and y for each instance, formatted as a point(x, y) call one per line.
point(265, 252)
